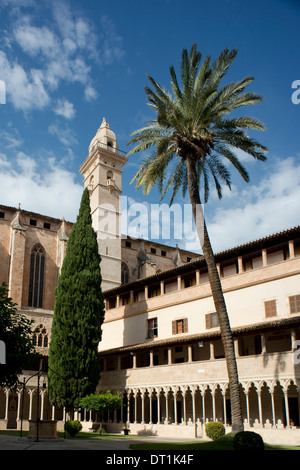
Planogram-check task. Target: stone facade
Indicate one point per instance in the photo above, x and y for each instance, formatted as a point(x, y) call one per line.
point(161, 345)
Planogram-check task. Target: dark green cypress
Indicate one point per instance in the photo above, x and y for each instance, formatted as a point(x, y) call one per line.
point(74, 369)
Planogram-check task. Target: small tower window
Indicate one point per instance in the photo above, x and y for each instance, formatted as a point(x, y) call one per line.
point(109, 175)
point(124, 274)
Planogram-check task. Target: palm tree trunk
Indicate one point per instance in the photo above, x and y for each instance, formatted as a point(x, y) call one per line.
point(218, 297)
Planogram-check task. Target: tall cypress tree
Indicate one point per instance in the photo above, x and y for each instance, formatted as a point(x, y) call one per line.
point(78, 315)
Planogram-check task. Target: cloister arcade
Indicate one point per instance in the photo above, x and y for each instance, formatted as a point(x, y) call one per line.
point(265, 404)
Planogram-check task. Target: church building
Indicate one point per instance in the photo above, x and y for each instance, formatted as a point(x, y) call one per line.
point(161, 346)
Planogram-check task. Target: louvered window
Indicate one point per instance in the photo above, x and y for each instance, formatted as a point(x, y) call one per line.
point(270, 308)
point(294, 303)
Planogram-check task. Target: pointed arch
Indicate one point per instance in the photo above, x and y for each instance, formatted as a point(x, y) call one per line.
point(36, 277)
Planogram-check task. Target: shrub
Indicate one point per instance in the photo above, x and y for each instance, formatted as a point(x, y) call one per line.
point(214, 430)
point(248, 440)
point(73, 427)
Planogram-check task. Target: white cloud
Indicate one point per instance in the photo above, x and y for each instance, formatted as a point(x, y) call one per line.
point(66, 136)
point(90, 93)
point(25, 90)
point(65, 108)
point(112, 44)
point(10, 139)
point(36, 40)
point(259, 210)
point(65, 50)
point(52, 192)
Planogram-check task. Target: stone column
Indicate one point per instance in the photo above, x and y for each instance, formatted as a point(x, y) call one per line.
point(259, 407)
point(158, 406)
point(273, 408)
point(169, 356)
point(31, 392)
point(133, 361)
point(135, 405)
point(203, 407)
point(247, 405)
point(19, 405)
point(175, 406)
point(184, 405)
point(214, 403)
point(143, 406)
point(162, 287)
point(287, 413)
point(151, 358)
point(128, 407)
point(291, 249)
point(240, 264)
point(263, 344)
point(122, 404)
point(194, 405)
point(264, 257)
point(150, 405)
point(7, 393)
point(167, 405)
point(224, 406)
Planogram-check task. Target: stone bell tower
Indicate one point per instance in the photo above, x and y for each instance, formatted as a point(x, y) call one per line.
point(102, 172)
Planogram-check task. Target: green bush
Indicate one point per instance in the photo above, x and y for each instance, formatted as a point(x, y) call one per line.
point(248, 440)
point(73, 427)
point(214, 430)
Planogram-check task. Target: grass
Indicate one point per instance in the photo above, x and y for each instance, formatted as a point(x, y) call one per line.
point(80, 435)
point(224, 443)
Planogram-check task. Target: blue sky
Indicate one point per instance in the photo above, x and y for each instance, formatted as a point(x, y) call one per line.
point(66, 65)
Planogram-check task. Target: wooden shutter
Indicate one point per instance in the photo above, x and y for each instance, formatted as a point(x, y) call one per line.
point(294, 303)
point(207, 321)
point(174, 329)
point(185, 325)
point(270, 308)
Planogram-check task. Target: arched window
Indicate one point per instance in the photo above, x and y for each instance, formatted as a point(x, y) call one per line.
point(109, 175)
point(124, 274)
point(36, 277)
point(40, 337)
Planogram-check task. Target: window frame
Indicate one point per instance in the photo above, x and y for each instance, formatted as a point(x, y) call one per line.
point(294, 303)
point(270, 308)
point(211, 318)
point(179, 324)
point(36, 277)
point(152, 328)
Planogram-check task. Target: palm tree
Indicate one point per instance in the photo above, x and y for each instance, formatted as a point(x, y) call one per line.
point(192, 140)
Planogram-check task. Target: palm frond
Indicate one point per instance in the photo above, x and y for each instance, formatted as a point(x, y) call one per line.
point(191, 123)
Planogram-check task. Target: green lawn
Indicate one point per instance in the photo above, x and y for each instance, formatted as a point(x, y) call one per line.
point(224, 443)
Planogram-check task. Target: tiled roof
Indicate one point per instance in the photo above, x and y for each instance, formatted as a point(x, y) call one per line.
point(241, 250)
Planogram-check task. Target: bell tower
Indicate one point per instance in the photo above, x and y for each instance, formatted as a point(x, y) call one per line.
point(102, 172)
